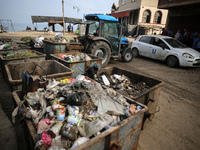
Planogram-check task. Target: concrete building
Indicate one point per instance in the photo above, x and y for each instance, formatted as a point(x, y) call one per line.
point(182, 14)
point(141, 14)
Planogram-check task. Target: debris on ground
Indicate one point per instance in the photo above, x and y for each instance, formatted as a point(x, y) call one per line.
point(70, 113)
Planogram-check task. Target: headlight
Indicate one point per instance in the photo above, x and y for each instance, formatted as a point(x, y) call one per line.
point(186, 55)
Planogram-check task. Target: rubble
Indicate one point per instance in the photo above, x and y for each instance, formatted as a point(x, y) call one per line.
point(69, 114)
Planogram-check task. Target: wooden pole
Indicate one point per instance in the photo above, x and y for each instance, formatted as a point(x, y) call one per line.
point(63, 17)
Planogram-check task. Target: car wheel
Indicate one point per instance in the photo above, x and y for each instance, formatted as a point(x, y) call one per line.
point(135, 52)
point(172, 61)
point(127, 55)
point(101, 50)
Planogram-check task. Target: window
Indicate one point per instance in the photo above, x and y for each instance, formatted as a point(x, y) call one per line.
point(133, 0)
point(109, 29)
point(130, 17)
point(158, 42)
point(146, 16)
point(93, 28)
point(158, 17)
point(123, 2)
point(135, 17)
point(174, 43)
point(145, 39)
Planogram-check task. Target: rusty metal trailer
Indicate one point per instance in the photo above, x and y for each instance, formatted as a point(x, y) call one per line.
point(4, 61)
point(149, 97)
point(79, 67)
point(51, 47)
point(124, 136)
point(47, 69)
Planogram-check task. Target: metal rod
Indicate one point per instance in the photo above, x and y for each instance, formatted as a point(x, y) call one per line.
point(63, 17)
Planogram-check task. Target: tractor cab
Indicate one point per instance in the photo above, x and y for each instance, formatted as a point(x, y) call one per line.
point(102, 37)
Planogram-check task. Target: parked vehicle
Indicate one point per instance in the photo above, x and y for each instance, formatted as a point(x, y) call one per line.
point(167, 49)
point(103, 38)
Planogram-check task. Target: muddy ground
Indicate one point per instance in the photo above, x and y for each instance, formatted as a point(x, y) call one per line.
point(177, 124)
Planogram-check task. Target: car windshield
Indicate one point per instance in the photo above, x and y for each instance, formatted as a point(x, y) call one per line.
point(174, 43)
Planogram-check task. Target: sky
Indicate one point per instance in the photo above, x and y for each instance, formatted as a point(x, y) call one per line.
point(20, 11)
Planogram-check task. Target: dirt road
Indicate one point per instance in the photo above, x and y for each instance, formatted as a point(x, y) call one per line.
point(176, 126)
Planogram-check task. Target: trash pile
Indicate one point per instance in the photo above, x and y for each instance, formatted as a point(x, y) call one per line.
point(70, 113)
point(59, 38)
point(39, 42)
point(74, 58)
point(6, 44)
point(26, 39)
point(19, 54)
point(121, 84)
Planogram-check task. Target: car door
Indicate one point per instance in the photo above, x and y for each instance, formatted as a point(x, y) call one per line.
point(158, 49)
point(143, 45)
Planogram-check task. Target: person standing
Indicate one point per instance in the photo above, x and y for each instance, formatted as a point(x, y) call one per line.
point(164, 32)
point(196, 42)
point(2, 28)
point(186, 37)
point(72, 30)
point(68, 28)
point(170, 33)
point(178, 35)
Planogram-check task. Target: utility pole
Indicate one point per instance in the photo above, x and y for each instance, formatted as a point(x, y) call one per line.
point(63, 17)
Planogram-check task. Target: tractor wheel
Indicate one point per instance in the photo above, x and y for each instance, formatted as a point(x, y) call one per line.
point(172, 61)
point(127, 55)
point(101, 50)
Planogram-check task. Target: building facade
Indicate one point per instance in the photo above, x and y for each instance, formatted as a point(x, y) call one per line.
point(142, 14)
point(183, 14)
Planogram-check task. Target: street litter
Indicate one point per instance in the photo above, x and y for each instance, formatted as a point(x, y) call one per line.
point(75, 58)
point(121, 83)
point(71, 113)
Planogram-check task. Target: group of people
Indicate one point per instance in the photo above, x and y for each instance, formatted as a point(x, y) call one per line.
point(28, 28)
point(190, 39)
point(70, 28)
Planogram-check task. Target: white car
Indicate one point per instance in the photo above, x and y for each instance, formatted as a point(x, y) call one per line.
point(167, 49)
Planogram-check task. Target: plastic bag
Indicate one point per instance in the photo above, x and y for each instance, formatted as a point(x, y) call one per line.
point(79, 141)
point(98, 124)
point(74, 99)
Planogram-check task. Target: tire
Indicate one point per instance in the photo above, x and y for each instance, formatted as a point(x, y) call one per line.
point(135, 52)
point(101, 50)
point(127, 55)
point(172, 61)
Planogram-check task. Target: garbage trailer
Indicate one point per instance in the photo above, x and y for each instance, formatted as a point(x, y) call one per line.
point(47, 69)
point(148, 97)
point(80, 66)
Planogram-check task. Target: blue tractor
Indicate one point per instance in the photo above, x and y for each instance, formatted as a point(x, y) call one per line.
point(103, 38)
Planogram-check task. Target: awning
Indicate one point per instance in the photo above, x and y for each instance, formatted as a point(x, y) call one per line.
point(52, 18)
point(121, 14)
